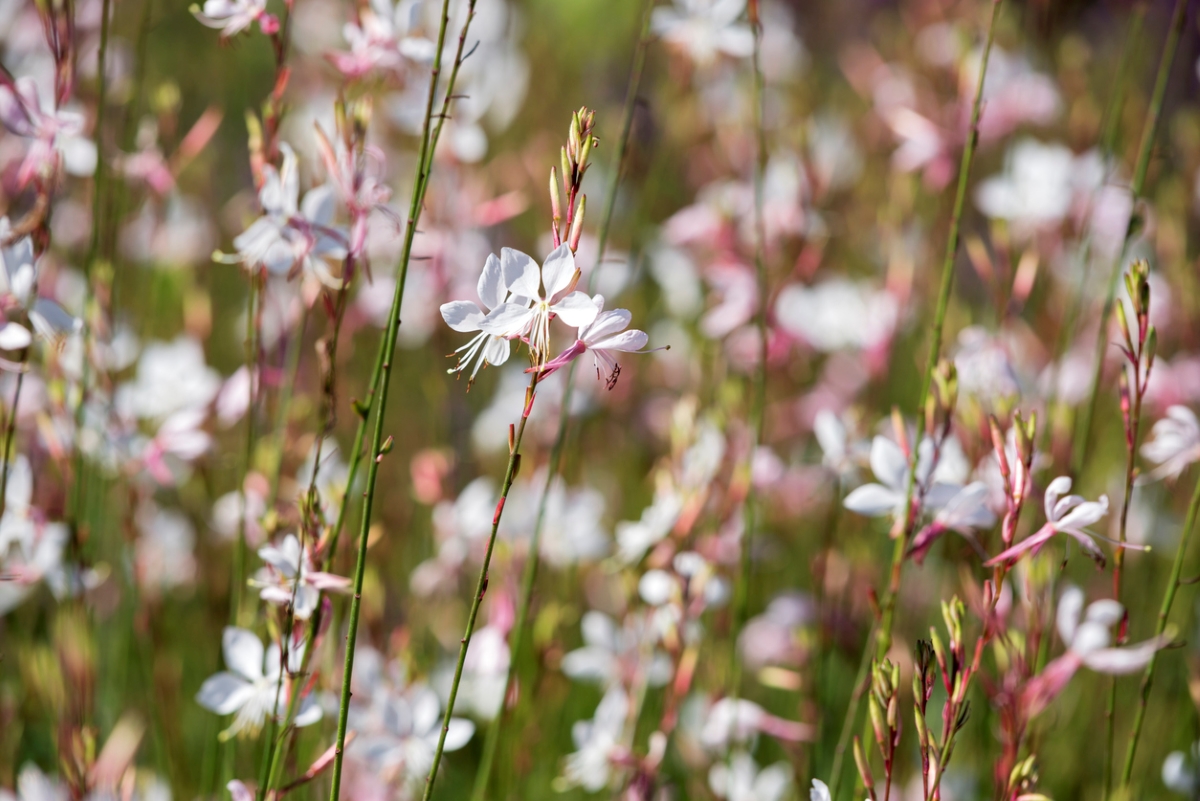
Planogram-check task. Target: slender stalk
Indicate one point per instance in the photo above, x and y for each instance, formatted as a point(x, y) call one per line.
point(510, 472)
point(238, 580)
point(99, 193)
point(1108, 144)
point(529, 575)
point(10, 431)
point(1136, 189)
point(1185, 537)
point(883, 632)
point(384, 362)
point(758, 381)
point(291, 373)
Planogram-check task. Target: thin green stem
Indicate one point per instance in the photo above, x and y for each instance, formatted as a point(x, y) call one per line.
point(99, 192)
point(1108, 144)
point(1145, 149)
point(529, 575)
point(238, 580)
point(510, 473)
point(10, 431)
point(1185, 537)
point(384, 363)
point(291, 373)
point(883, 634)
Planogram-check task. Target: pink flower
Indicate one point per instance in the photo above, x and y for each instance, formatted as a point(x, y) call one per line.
point(1087, 638)
point(1070, 516)
point(232, 17)
point(604, 337)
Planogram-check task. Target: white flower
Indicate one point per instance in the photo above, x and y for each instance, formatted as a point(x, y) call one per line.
point(740, 779)
point(18, 292)
point(250, 690)
point(33, 785)
point(599, 744)
point(890, 466)
point(56, 134)
point(171, 377)
point(1070, 515)
point(232, 17)
point(602, 336)
point(1037, 187)
point(704, 29)
point(292, 235)
point(819, 791)
point(634, 538)
point(289, 574)
point(731, 721)
point(465, 317)
point(380, 39)
point(1181, 772)
point(30, 548)
point(1174, 442)
point(164, 554)
point(551, 289)
point(400, 726)
point(837, 314)
point(612, 655)
point(1087, 635)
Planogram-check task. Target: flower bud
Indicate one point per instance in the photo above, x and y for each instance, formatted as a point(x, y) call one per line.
point(864, 768)
point(577, 224)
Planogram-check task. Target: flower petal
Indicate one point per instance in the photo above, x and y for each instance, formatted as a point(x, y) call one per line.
point(521, 273)
point(576, 310)
point(873, 500)
point(243, 652)
point(462, 315)
point(224, 693)
point(491, 288)
point(558, 273)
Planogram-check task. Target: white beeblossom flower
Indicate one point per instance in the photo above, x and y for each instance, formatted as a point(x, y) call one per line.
point(740, 779)
point(1038, 186)
point(31, 549)
point(289, 575)
point(635, 537)
point(548, 291)
point(56, 134)
point(18, 294)
point(890, 467)
point(603, 336)
point(293, 235)
point(252, 684)
point(171, 377)
point(465, 317)
point(704, 29)
point(1068, 515)
point(612, 653)
point(398, 723)
point(837, 314)
point(599, 744)
point(1174, 443)
point(1181, 772)
point(232, 17)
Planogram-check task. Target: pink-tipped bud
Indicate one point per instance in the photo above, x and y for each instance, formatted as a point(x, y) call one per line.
point(998, 445)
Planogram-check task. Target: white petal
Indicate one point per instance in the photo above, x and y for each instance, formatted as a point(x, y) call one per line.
point(459, 733)
point(496, 351)
point(576, 310)
point(1070, 607)
point(627, 341)
point(873, 500)
point(521, 273)
point(492, 290)
point(14, 336)
point(888, 463)
point(558, 272)
point(606, 324)
point(243, 652)
point(508, 320)
point(462, 315)
point(224, 693)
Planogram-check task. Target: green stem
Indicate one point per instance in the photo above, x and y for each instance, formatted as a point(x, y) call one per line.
point(1164, 612)
point(10, 431)
point(1108, 143)
point(238, 580)
point(529, 576)
point(1145, 149)
point(387, 352)
point(883, 634)
point(758, 381)
point(514, 460)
